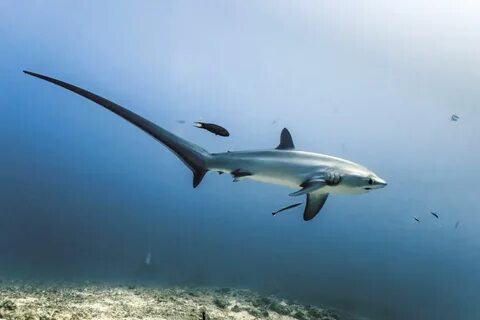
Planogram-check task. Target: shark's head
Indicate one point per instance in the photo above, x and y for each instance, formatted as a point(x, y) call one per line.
point(372, 181)
point(361, 180)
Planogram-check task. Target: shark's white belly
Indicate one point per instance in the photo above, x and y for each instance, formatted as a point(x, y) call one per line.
point(295, 184)
point(286, 181)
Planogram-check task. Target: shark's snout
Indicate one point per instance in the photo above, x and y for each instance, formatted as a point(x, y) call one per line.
point(375, 182)
point(380, 182)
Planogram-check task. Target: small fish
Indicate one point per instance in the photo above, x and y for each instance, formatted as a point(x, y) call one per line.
point(181, 121)
point(274, 121)
point(213, 128)
point(457, 224)
point(454, 117)
point(286, 208)
point(416, 219)
point(434, 214)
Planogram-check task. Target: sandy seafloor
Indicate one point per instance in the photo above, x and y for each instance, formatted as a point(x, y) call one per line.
point(85, 300)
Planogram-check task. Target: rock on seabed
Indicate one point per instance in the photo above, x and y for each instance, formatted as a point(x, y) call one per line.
point(79, 301)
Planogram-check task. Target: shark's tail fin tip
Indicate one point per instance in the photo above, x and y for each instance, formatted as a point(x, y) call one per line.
point(30, 73)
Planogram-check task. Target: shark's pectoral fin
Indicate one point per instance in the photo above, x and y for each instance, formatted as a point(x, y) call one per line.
point(309, 186)
point(286, 141)
point(315, 202)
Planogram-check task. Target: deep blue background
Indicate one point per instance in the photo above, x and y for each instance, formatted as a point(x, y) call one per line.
point(85, 195)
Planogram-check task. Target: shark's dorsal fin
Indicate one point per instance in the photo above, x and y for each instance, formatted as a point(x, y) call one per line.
point(286, 141)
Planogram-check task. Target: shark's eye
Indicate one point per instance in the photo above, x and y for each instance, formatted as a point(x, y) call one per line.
point(371, 181)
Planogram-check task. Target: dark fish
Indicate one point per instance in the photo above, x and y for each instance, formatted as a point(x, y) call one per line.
point(416, 219)
point(457, 224)
point(213, 128)
point(454, 117)
point(181, 121)
point(434, 214)
point(286, 208)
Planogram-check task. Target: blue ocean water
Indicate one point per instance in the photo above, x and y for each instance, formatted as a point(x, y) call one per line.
point(85, 195)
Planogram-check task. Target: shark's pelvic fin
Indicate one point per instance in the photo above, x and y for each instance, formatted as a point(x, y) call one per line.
point(315, 202)
point(309, 186)
point(286, 141)
point(239, 173)
point(191, 155)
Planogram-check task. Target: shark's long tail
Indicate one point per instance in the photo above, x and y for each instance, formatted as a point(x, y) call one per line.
point(195, 157)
